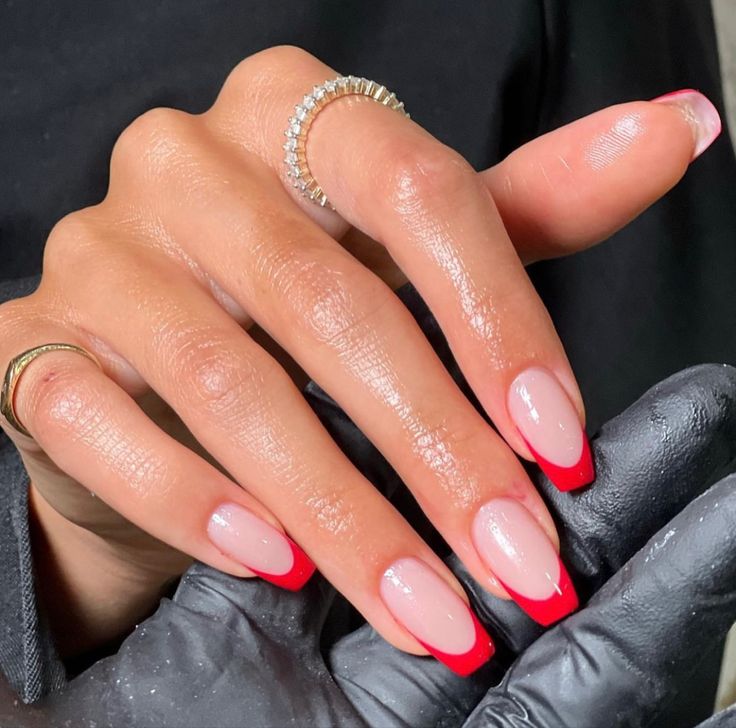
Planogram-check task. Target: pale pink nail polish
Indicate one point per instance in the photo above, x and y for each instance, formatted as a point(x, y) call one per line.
point(699, 112)
point(521, 556)
point(425, 605)
point(549, 424)
point(249, 540)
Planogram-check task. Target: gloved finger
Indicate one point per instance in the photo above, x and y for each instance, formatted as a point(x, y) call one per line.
point(224, 651)
point(654, 458)
point(651, 461)
point(394, 689)
point(642, 638)
point(724, 719)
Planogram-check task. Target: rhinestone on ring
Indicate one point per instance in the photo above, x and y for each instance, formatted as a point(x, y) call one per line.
point(305, 112)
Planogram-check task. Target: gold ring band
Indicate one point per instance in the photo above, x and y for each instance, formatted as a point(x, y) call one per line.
point(17, 367)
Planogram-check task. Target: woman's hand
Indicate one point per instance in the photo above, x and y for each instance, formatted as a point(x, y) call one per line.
point(200, 236)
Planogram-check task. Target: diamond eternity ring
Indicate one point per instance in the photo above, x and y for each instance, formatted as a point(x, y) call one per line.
point(306, 111)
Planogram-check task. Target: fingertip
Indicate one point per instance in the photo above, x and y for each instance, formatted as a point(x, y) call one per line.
point(700, 114)
point(515, 545)
point(578, 184)
point(563, 601)
point(245, 537)
point(301, 571)
point(466, 664)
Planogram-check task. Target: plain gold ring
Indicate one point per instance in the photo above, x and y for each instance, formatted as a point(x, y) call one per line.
point(15, 370)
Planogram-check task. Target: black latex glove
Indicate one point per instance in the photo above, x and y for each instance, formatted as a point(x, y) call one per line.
point(229, 652)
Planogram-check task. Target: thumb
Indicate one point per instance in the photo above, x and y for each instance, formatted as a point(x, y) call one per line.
point(575, 186)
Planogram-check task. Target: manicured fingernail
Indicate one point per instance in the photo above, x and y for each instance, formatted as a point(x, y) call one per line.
point(249, 540)
point(425, 605)
point(700, 113)
point(519, 553)
point(549, 424)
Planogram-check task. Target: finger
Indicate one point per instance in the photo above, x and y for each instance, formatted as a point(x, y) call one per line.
point(655, 458)
point(441, 226)
point(246, 412)
point(390, 688)
point(723, 719)
point(669, 606)
point(94, 432)
point(577, 185)
point(347, 328)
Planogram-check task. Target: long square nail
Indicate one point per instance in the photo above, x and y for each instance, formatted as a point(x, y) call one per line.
point(549, 424)
point(515, 547)
point(427, 607)
point(243, 536)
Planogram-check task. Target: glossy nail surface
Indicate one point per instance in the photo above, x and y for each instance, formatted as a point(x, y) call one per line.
point(521, 556)
point(549, 424)
point(425, 605)
point(699, 112)
point(259, 546)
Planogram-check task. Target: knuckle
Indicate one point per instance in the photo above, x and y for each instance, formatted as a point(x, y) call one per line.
point(421, 175)
point(218, 379)
point(460, 435)
point(289, 56)
point(69, 240)
point(451, 447)
point(332, 512)
point(441, 432)
point(154, 135)
point(17, 312)
point(333, 304)
point(252, 81)
point(268, 62)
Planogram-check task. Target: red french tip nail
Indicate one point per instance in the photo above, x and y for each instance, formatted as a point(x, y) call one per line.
point(259, 546)
point(563, 601)
point(467, 663)
point(549, 423)
point(299, 574)
point(570, 478)
point(521, 556)
point(431, 611)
